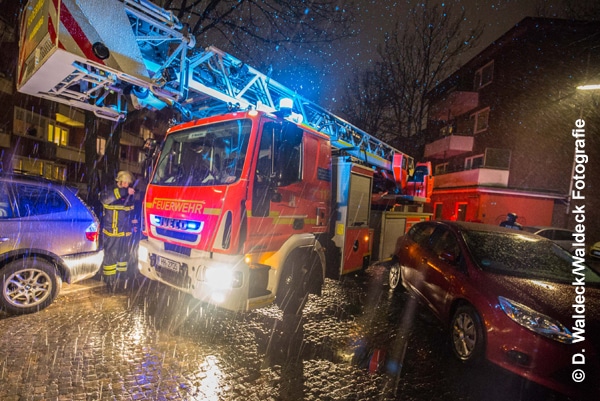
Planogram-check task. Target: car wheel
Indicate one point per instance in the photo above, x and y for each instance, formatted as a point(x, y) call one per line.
point(394, 276)
point(466, 335)
point(28, 285)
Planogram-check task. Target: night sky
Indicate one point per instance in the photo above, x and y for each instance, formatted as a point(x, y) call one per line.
point(379, 16)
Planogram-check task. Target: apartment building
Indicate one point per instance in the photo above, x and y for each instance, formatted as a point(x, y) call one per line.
point(499, 128)
point(46, 138)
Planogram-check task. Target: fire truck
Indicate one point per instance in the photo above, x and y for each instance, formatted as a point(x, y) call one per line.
point(257, 194)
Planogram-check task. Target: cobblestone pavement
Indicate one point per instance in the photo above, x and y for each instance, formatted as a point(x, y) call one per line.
point(152, 343)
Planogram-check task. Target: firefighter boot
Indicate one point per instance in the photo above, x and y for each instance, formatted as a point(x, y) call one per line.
point(110, 284)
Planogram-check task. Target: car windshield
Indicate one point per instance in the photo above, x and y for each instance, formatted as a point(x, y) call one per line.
point(206, 155)
point(524, 256)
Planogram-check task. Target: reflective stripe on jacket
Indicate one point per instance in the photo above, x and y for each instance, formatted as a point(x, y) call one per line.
point(118, 209)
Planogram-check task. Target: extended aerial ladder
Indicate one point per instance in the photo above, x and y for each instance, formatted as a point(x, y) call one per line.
point(133, 54)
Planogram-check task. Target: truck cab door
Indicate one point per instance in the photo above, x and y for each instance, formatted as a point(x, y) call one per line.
point(278, 165)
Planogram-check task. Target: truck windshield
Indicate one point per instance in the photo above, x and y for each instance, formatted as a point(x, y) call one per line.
point(204, 155)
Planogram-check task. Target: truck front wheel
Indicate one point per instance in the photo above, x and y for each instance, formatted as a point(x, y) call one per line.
point(300, 272)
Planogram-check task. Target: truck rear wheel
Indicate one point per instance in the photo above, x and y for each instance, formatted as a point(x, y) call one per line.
point(300, 272)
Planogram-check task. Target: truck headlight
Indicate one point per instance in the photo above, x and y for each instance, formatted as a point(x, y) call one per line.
point(223, 278)
point(535, 321)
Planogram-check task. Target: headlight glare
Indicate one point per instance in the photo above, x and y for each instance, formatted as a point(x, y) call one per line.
point(223, 278)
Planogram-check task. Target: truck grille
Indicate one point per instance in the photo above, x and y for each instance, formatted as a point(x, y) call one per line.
point(177, 279)
point(181, 236)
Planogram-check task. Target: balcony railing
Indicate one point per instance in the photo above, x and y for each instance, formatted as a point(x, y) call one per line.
point(449, 146)
point(480, 176)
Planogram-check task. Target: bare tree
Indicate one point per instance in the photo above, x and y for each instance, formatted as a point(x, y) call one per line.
point(365, 102)
point(416, 56)
point(419, 55)
point(259, 30)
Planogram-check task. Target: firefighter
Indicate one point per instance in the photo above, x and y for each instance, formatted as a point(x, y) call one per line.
point(118, 206)
point(511, 222)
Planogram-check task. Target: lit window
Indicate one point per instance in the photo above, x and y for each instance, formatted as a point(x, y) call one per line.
point(50, 132)
point(64, 137)
point(58, 135)
point(101, 146)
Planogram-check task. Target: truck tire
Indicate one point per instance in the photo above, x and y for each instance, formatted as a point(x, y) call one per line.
point(299, 273)
point(28, 285)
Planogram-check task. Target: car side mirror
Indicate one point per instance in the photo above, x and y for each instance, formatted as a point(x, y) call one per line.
point(449, 257)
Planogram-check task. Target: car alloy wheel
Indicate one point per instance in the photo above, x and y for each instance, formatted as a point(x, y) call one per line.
point(394, 276)
point(28, 285)
point(467, 334)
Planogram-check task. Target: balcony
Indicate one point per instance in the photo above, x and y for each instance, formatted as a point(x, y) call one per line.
point(453, 104)
point(449, 146)
point(481, 176)
point(70, 153)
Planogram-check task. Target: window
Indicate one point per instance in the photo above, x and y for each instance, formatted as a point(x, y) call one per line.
point(461, 211)
point(58, 135)
point(34, 200)
point(6, 211)
point(473, 162)
point(444, 243)
point(146, 133)
point(562, 235)
point(28, 123)
point(481, 120)
point(448, 129)
point(420, 233)
point(437, 208)
point(484, 76)
point(441, 168)
point(100, 146)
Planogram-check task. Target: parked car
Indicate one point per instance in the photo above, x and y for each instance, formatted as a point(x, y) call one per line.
point(47, 235)
point(561, 236)
point(506, 296)
point(595, 250)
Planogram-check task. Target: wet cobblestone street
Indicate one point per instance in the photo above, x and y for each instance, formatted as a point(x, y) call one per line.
point(151, 343)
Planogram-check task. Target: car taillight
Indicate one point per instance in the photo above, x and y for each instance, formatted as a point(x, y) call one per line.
point(92, 232)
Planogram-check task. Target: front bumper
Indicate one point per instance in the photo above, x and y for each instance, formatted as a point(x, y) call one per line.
point(220, 280)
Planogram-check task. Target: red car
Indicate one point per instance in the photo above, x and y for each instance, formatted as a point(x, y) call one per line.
point(517, 299)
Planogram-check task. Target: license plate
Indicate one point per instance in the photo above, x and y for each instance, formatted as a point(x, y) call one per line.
point(168, 264)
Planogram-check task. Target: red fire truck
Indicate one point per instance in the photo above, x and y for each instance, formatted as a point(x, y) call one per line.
point(259, 194)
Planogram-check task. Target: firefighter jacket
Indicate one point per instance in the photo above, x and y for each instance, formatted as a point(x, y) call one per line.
point(118, 210)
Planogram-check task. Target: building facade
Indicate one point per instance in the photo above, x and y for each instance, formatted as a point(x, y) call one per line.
point(50, 139)
point(500, 128)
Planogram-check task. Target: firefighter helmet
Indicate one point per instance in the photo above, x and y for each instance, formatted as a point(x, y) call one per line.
point(125, 176)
